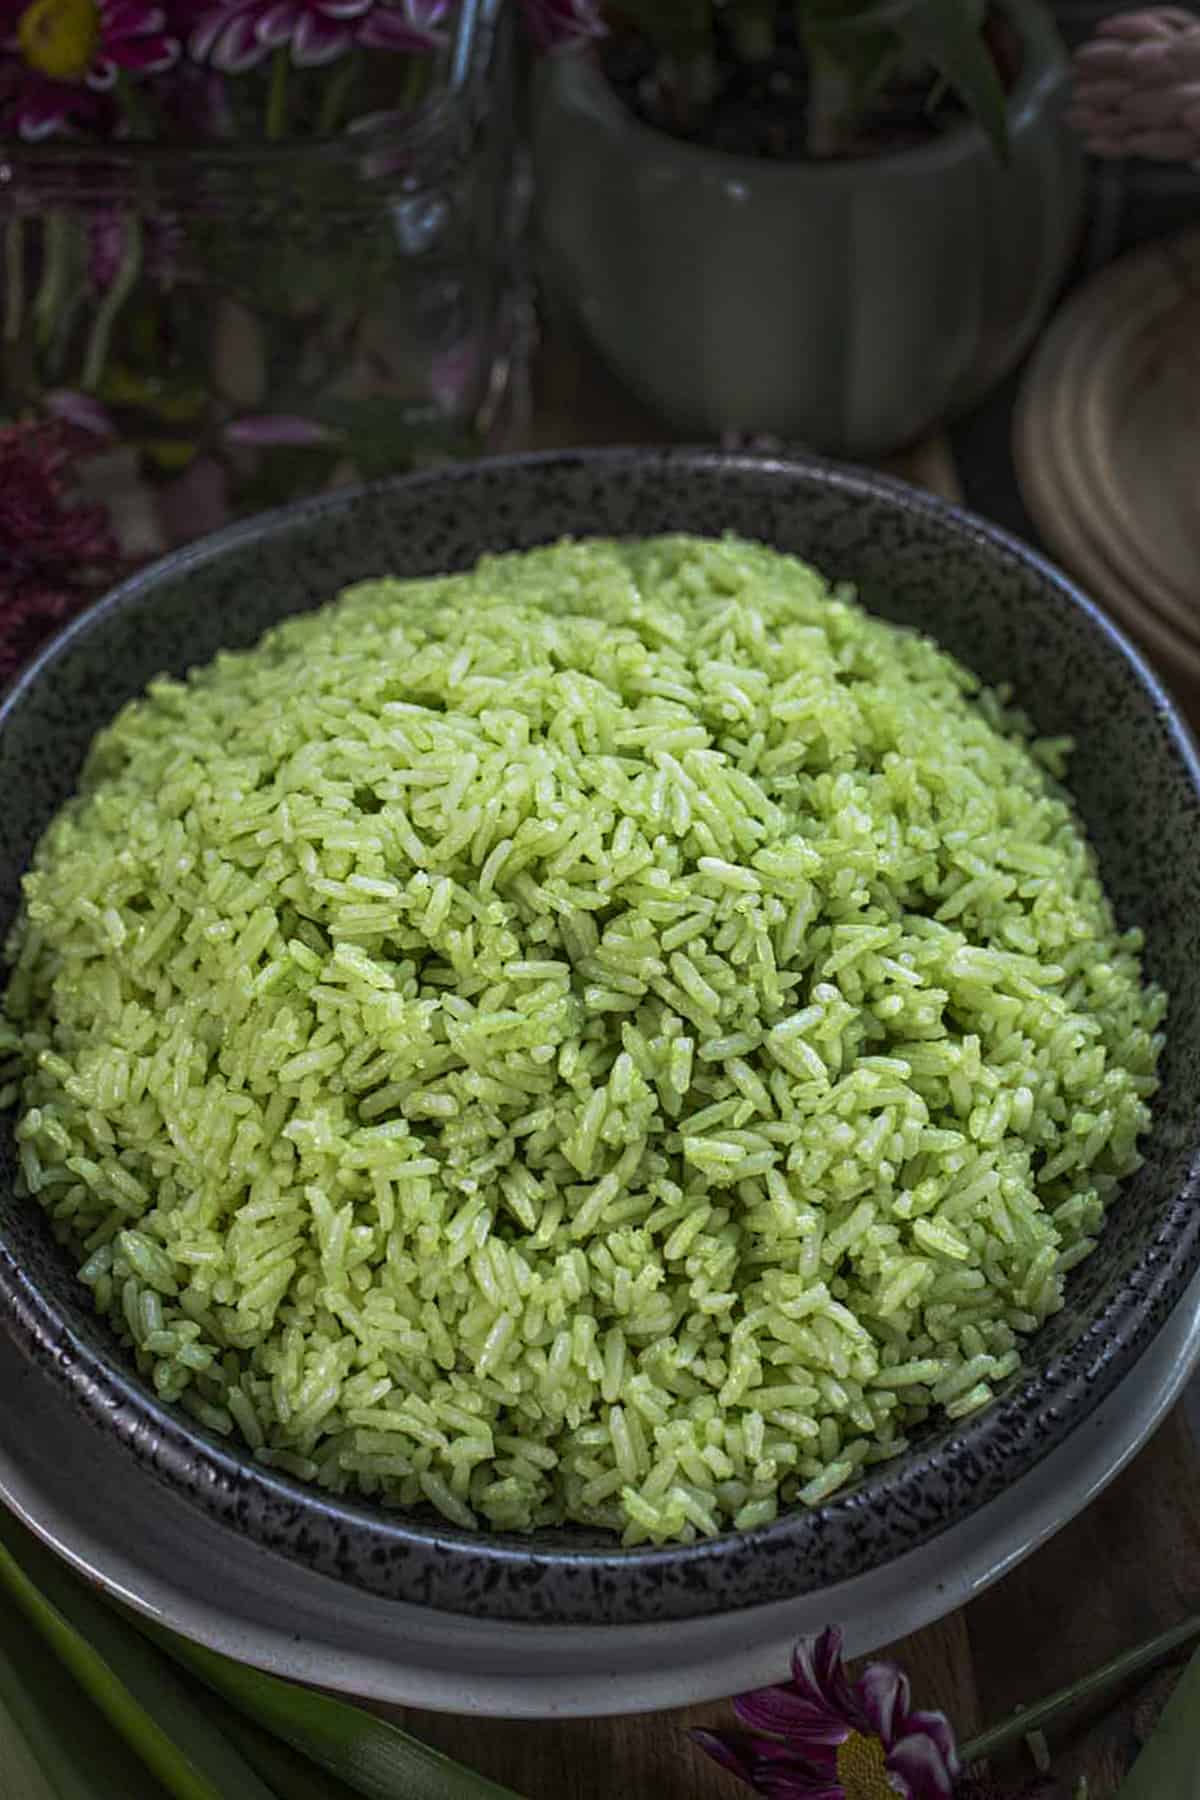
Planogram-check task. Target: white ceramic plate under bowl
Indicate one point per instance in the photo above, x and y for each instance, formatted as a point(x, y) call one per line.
point(84, 1496)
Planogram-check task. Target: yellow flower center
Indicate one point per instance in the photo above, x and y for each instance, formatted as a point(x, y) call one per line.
point(59, 37)
point(862, 1769)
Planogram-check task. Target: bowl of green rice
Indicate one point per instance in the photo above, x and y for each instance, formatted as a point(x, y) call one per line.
point(596, 1038)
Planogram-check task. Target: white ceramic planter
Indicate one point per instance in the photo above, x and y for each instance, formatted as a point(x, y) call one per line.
point(849, 306)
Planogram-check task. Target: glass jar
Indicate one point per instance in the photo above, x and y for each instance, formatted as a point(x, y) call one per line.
point(248, 324)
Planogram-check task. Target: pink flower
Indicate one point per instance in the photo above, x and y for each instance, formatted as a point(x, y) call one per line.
point(560, 24)
point(48, 539)
point(821, 1738)
point(92, 41)
point(79, 411)
point(413, 26)
point(133, 36)
point(1137, 86)
point(33, 107)
point(270, 429)
point(236, 34)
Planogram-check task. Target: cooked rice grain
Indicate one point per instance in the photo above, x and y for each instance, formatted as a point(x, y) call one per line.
point(618, 1036)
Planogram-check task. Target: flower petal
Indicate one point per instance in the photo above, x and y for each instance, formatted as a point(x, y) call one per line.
point(127, 18)
point(79, 410)
point(919, 1762)
point(277, 23)
point(389, 28)
point(34, 125)
point(818, 1675)
point(725, 1749)
point(148, 54)
point(206, 31)
point(769, 1768)
point(559, 24)
point(44, 107)
point(937, 1726)
point(786, 1714)
point(885, 1695)
point(278, 428)
point(238, 47)
point(318, 40)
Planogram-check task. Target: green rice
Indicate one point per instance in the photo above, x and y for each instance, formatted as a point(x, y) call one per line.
point(619, 1036)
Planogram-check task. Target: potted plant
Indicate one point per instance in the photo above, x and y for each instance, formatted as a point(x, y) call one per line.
point(838, 221)
point(253, 247)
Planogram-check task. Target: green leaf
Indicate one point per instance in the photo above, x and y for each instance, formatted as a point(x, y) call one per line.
point(285, 1771)
point(946, 35)
point(193, 1743)
point(39, 1760)
point(1169, 1766)
point(21, 1771)
point(372, 1757)
point(142, 1696)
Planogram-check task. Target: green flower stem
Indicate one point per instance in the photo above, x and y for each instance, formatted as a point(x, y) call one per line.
point(134, 106)
point(1112, 1674)
point(76, 295)
point(830, 97)
point(56, 254)
point(413, 85)
point(14, 278)
point(106, 313)
point(277, 98)
point(753, 29)
point(337, 93)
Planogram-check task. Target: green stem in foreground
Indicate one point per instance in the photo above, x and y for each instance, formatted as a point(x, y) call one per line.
point(136, 111)
point(337, 93)
point(753, 29)
point(114, 299)
point(277, 98)
point(1112, 1674)
point(48, 301)
point(14, 278)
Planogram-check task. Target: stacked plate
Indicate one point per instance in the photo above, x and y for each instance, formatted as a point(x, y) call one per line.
point(1107, 449)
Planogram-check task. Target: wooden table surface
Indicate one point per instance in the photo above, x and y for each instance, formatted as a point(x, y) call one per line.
point(1128, 1567)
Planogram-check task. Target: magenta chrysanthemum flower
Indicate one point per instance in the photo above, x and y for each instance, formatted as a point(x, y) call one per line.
point(236, 34)
point(822, 1738)
point(54, 552)
point(133, 36)
point(413, 26)
point(33, 107)
point(92, 41)
point(559, 24)
point(47, 538)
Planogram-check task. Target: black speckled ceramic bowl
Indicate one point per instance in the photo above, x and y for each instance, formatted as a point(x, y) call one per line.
point(990, 602)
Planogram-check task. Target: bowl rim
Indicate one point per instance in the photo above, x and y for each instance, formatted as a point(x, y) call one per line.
point(609, 1584)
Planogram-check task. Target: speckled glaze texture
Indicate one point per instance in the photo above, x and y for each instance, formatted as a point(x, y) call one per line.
point(989, 601)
